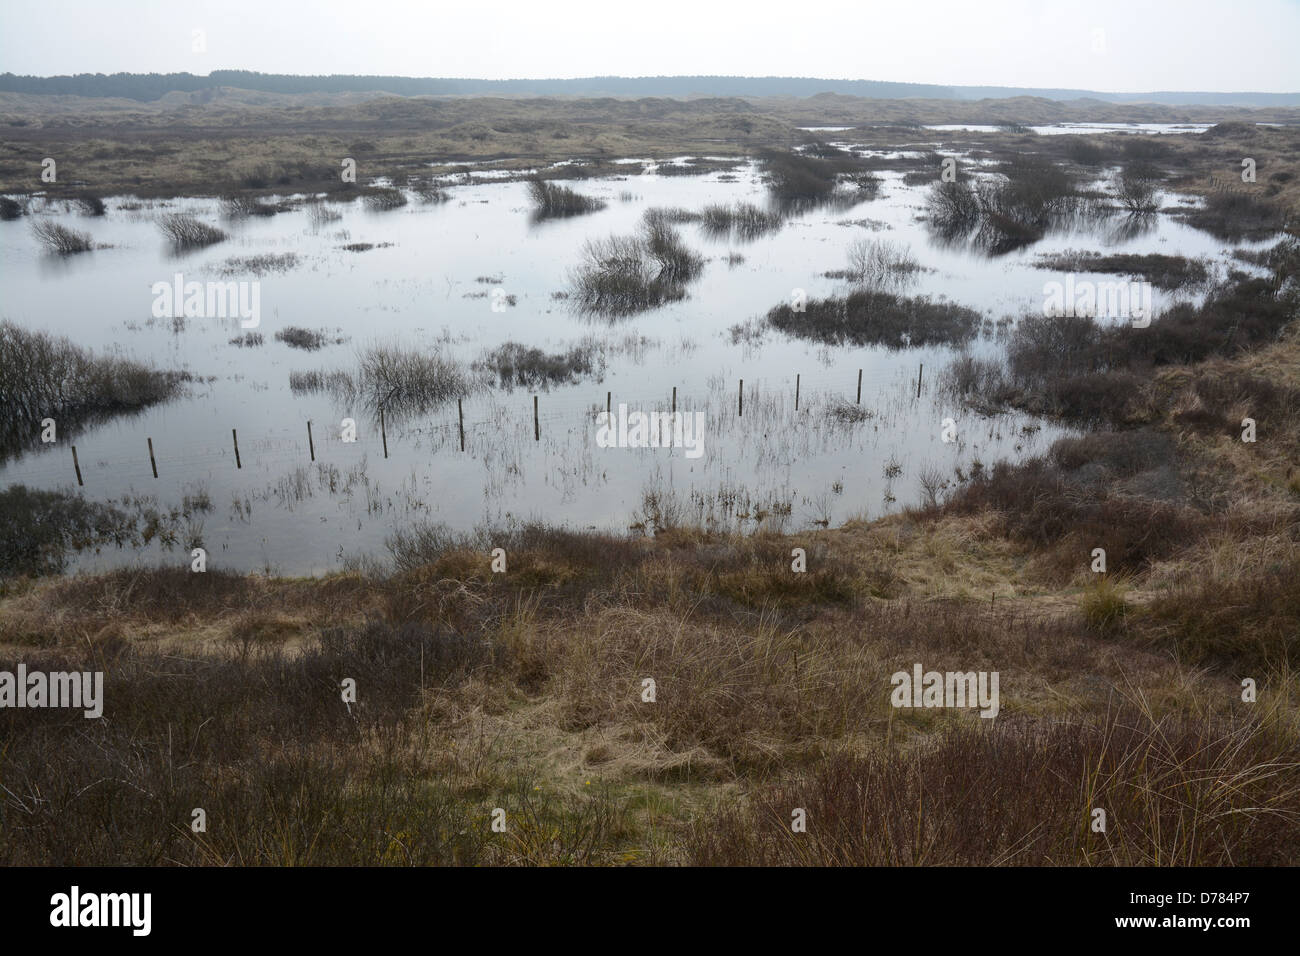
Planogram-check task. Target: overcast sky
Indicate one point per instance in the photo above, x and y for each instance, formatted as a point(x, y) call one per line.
point(1106, 45)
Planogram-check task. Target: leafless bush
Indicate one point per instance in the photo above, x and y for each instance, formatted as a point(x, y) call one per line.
point(552, 201)
point(1136, 187)
point(879, 262)
point(185, 230)
point(60, 239)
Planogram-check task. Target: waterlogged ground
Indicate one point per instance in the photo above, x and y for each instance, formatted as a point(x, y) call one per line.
point(419, 287)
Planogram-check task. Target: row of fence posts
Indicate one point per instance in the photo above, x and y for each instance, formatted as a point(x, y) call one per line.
point(460, 416)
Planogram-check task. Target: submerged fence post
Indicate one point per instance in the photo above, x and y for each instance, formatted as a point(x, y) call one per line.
point(152, 462)
point(235, 435)
point(740, 401)
point(919, 373)
point(311, 445)
point(77, 466)
point(859, 401)
point(609, 409)
point(674, 399)
point(796, 392)
point(537, 428)
point(460, 414)
point(383, 433)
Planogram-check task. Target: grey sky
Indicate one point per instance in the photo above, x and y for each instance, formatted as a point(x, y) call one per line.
point(1106, 45)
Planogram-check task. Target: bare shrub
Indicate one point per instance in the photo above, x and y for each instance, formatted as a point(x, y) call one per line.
point(185, 230)
point(1136, 186)
point(554, 201)
point(60, 239)
point(385, 198)
point(880, 263)
point(621, 275)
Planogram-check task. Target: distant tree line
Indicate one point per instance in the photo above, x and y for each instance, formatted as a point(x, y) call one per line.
point(151, 86)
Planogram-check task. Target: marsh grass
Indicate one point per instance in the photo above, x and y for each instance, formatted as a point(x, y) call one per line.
point(384, 198)
point(623, 275)
point(551, 201)
point(259, 265)
point(515, 365)
point(308, 340)
point(879, 264)
point(1178, 790)
point(802, 180)
point(741, 221)
point(1170, 273)
point(875, 317)
point(244, 206)
point(393, 378)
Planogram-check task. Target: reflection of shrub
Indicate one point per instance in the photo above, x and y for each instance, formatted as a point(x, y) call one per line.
point(39, 528)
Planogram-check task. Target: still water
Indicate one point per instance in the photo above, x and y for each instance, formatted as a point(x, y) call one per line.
point(418, 287)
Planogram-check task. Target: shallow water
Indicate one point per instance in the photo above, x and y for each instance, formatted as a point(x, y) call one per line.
point(280, 511)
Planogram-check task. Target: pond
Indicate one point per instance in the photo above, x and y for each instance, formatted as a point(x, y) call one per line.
point(429, 280)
